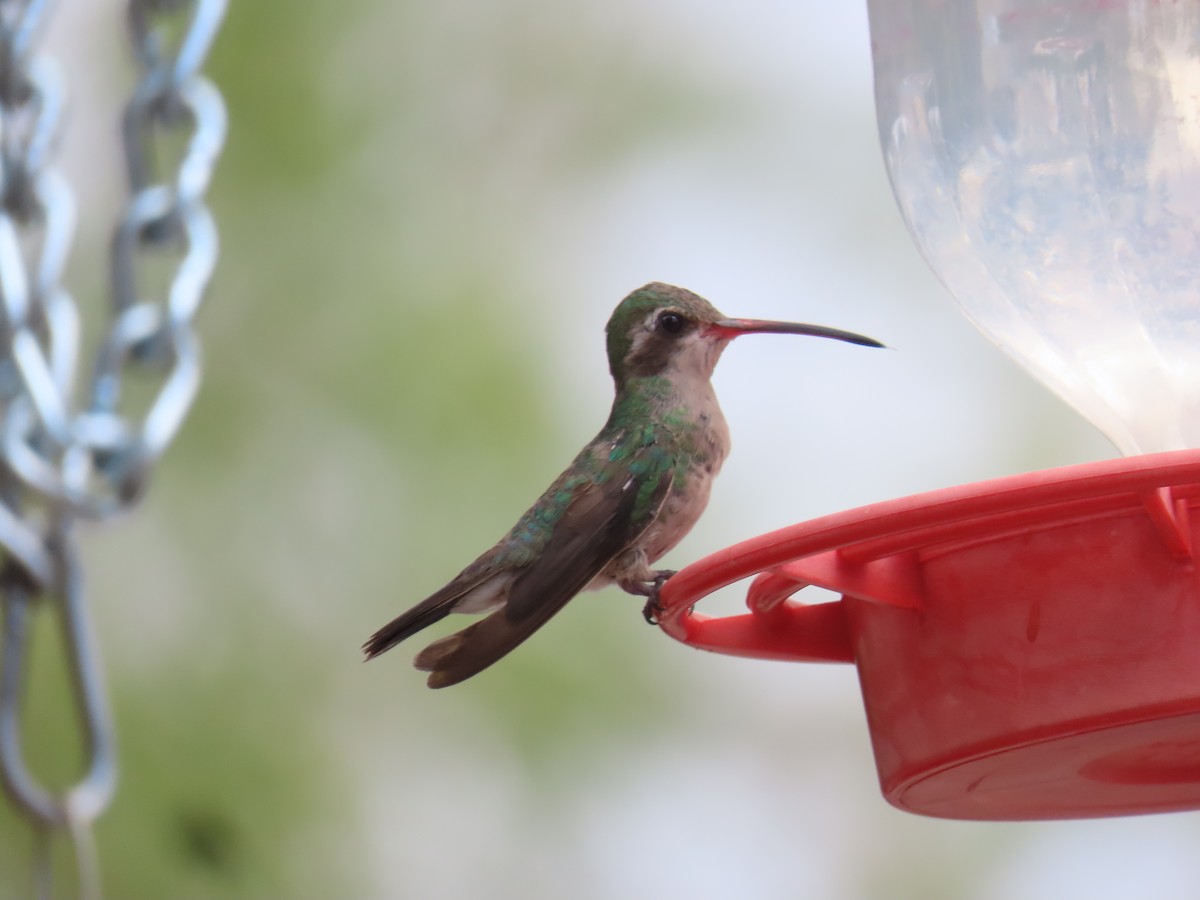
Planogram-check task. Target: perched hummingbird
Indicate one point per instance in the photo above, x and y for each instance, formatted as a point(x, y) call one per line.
point(627, 498)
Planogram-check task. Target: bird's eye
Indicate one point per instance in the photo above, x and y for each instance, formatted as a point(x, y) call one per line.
point(671, 322)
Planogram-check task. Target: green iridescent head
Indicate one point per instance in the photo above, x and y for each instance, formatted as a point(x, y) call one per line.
point(648, 326)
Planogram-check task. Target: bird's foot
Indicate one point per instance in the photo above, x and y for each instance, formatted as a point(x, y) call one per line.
point(651, 611)
point(653, 608)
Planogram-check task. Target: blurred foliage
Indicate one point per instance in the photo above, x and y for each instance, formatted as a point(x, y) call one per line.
point(374, 411)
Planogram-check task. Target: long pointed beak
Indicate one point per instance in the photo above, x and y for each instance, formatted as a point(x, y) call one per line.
point(731, 328)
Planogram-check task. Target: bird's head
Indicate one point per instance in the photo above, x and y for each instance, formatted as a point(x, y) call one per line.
point(661, 329)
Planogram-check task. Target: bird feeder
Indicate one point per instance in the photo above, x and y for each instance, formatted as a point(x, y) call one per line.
point(1027, 647)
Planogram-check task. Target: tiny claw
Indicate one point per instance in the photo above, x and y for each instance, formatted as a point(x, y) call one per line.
point(653, 608)
point(651, 611)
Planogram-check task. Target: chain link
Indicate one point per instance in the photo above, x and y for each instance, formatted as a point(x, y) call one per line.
point(61, 460)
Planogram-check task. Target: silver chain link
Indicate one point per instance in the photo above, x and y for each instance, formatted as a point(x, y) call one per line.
point(62, 460)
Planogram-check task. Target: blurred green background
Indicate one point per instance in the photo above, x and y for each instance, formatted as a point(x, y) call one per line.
point(427, 213)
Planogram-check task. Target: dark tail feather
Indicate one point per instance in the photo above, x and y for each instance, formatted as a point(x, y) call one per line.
point(406, 625)
point(458, 656)
point(465, 653)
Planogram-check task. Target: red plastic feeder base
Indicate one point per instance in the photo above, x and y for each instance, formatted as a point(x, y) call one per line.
point(1028, 647)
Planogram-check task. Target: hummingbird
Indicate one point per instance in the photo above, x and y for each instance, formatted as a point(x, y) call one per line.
point(627, 499)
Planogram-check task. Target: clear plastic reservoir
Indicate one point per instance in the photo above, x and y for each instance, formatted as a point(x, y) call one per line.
point(1046, 157)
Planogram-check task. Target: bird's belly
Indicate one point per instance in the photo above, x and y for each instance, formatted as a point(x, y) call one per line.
point(681, 510)
point(689, 498)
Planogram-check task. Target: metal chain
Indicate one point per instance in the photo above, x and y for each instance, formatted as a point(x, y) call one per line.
point(59, 460)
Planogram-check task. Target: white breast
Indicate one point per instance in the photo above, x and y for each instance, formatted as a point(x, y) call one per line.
point(684, 506)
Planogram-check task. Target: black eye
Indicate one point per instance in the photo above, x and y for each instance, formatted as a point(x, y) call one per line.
point(671, 322)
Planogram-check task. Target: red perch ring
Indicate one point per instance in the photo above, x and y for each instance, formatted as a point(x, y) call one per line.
point(1028, 647)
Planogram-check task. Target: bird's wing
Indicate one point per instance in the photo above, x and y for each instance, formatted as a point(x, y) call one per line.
point(432, 609)
point(605, 514)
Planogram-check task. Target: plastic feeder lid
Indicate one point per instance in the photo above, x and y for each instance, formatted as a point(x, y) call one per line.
point(1028, 647)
